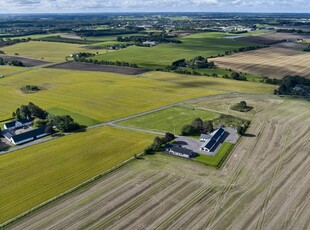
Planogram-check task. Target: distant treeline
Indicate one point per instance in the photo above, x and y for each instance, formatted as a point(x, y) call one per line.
point(154, 37)
point(95, 33)
point(292, 31)
point(243, 49)
point(9, 42)
point(83, 57)
point(64, 40)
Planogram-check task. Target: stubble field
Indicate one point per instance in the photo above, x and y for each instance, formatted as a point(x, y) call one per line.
point(264, 184)
point(268, 62)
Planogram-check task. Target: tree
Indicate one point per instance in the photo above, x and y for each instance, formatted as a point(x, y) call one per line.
point(197, 124)
point(207, 126)
point(39, 122)
point(169, 137)
point(24, 112)
point(157, 143)
point(187, 130)
point(36, 111)
point(243, 104)
point(63, 123)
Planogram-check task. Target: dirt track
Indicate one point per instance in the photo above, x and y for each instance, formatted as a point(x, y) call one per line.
point(98, 68)
point(263, 185)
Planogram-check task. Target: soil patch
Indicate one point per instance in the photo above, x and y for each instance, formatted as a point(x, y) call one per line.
point(98, 68)
point(28, 62)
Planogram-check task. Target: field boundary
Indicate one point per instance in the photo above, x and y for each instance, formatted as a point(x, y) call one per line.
point(70, 191)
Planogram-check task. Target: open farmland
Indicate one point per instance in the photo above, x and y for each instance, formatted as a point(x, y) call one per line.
point(168, 120)
point(107, 96)
point(46, 51)
point(260, 186)
point(269, 62)
point(204, 44)
point(37, 173)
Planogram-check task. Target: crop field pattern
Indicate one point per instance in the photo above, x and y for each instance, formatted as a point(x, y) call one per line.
point(204, 44)
point(61, 164)
point(270, 62)
point(263, 185)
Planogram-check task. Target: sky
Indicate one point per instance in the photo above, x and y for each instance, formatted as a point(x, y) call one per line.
point(86, 6)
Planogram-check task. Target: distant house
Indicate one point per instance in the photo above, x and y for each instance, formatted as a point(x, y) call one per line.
point(18, 124)
point(181, 152)
point(29, 136)
point(149, 43)
point(74, 55)
point(215, 137)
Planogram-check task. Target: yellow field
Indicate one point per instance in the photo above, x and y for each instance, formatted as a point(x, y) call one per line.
point(49, 51)
point(35, 174)
point(107, 96)
point(268, 62)
point(5, 69)
point(220, 84)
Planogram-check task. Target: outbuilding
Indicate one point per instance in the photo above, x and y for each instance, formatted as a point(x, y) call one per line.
point(181, 152)
point(31, 135)
point(18, 124)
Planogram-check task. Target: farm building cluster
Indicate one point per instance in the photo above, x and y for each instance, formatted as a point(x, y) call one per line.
point(211, 142)
point(13, 131)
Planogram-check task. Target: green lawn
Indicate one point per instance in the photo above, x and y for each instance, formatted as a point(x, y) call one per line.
point(169, 120)
point(35, 174)
point(204, 44)
point(219, 157)
point(79, 118)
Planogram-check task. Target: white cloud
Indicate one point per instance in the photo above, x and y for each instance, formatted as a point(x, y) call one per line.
point(59, 6)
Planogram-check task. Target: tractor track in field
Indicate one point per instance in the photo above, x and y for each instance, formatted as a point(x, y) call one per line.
point(264, 184)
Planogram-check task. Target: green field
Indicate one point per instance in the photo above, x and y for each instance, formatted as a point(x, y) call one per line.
point(99, 96)
point(35, 174)
point(49, 51)
point(79, 118)
point(204, 44)
point(219, 157)
point(168, 120)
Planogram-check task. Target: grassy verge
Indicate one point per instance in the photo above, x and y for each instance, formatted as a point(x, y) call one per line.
point(79, 118)
point(169, 120)
point(219, 157)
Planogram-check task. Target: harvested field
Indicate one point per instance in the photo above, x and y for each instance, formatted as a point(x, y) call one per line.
point(98, 68)
point(260, 186)
point(28, 62)
point(271, 38)
point(269, 62)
